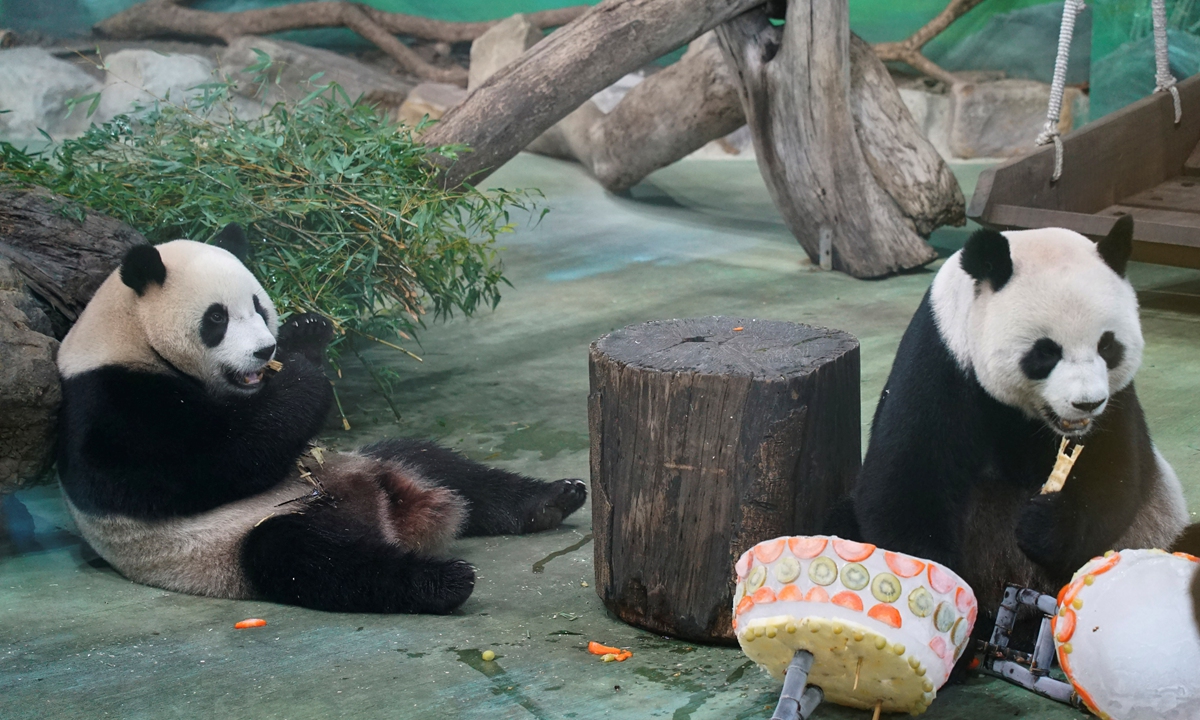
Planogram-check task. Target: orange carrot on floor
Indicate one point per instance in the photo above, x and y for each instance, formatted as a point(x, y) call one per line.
point(251, 623)
point(596, 648)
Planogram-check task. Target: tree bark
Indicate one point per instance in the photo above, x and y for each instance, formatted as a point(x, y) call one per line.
point(795, 86)
point(511, 108)
point(706, 440)
point(61, 260)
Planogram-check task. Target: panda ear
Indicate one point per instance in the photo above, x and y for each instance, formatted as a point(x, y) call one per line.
point(141, 267)
point(986, 257)
point(1117, 245)
point(233, 239)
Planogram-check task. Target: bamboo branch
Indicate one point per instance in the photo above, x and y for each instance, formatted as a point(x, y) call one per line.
point(909, 50)
point(157, 18)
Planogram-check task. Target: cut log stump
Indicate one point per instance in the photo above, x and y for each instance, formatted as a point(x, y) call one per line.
point(708, 436)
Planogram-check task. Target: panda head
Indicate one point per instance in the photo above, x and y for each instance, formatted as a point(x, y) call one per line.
point(1045, 319)
point(183, 305)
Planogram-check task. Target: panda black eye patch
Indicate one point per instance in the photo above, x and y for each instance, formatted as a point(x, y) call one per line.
point(1110, 349)
point(258, 308)
point(1039, 362)
point(212, 326)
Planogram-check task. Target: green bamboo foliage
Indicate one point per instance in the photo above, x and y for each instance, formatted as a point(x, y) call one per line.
point(342, 206)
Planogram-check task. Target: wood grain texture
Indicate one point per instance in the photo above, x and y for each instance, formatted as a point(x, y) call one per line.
point(62, 261)
point(706, 441)
point(795, 87)
point(524, 99)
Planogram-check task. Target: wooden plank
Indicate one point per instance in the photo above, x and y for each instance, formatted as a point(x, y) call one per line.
point(1181, 194)
point(1192, 166)
point(1121, 154)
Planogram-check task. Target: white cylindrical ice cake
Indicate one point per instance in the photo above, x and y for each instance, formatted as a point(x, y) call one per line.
point(882, 626)
point(1126, 637)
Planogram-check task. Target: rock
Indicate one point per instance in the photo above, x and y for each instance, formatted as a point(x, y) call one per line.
point(430, 99)
point(1003, 118)
point(609, 97)
point(1023, 44)
point(34, 89)
point(499, 46)
point(29, 390)
point(570, 138)
point(138, 78)
point(293, 65)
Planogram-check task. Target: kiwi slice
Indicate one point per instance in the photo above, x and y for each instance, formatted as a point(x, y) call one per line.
point(823, 571)
point(787, 569)
point(886, 587)
point(943, 618)
point(758, 576)
point(920, 602)
point(855, 576)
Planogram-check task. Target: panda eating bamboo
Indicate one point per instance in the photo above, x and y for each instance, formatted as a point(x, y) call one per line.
point(186, 464)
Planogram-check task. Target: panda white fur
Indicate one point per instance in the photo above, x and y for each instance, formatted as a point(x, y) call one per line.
point(1024, 338)
point(185, 463)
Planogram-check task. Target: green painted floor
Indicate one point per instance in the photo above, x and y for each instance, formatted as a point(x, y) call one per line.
point(78, 641)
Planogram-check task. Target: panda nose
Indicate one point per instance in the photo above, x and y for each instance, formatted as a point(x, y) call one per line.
point(265, 353)
point(1088, 406)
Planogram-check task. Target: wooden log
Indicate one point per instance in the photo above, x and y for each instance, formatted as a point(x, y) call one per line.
point(521, 101)
point(62, 260)
point(795, 87)
point(706, 440)
point(666, 117)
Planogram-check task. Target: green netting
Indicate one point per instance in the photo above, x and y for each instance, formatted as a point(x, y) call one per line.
point(1123, 49)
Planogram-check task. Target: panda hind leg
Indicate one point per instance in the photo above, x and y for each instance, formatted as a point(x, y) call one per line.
point(501, 502)
point(318, 560)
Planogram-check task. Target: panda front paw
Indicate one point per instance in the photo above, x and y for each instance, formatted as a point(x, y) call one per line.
point(448, 583)
point(1042, 531)
point(553, 504)
point(307, 334)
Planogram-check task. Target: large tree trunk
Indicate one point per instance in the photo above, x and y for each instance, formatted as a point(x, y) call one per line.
point(517, 104)
point(795, 85)
point(709, 436)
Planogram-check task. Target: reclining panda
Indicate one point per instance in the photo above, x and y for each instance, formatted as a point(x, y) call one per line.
point(186, 464)
point(1024, 338)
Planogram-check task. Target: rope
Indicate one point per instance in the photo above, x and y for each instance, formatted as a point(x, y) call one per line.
point(1050, 133)
point(1164, 81)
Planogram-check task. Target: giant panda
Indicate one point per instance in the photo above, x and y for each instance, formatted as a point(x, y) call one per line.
point(1024, 338)
point(186, 463)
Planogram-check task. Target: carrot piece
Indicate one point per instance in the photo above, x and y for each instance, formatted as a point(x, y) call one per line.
point(848, 600)
point(791, 592)
point(903, 565)
point(807, 547)
point(251, 623)
point(885, 614)
point(746, 603)
point(738, 329)
point(817, 594)
point(769, 550)
point(852, 551)
point(763, 595)
point(596, 648)
point(624, 655)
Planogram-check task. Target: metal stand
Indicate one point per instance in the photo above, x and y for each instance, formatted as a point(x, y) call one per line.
point(1030, 671)
point(796, 701)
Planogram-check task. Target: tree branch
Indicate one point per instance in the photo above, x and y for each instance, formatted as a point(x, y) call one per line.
point(157, 18)
point(909, 50)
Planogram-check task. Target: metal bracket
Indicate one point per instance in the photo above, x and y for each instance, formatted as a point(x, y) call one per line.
point(1029, 670)
point(796, 700)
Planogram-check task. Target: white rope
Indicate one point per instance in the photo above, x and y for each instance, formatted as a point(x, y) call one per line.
point(1164, 81)
point(1050, 133)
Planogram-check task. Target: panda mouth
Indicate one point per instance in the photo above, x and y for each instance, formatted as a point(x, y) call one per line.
point(1063, 426)
point(246, 380)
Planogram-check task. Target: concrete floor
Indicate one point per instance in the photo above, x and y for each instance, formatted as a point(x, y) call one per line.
point(77, 640)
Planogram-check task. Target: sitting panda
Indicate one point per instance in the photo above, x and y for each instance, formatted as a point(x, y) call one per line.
point(186, 463)
point(1023, 339)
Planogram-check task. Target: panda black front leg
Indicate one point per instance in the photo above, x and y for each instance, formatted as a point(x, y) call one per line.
point(501, 502)
point(308, 334)
point(321, 560)
point(1048, 533)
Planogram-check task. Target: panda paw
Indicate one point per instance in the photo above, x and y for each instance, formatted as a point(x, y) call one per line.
point(447, 585)
point(1042, 532)
point(556, 501)
point(306, 333)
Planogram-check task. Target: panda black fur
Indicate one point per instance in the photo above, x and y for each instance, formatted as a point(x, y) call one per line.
point(1024, 338)
point(184, 463)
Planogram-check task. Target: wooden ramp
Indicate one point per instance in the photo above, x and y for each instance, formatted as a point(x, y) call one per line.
point(1135, 161)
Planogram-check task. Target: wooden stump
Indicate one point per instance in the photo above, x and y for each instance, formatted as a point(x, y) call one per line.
point(704, 441)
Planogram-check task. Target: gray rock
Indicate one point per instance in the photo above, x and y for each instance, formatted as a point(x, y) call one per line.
point(34, 88)
point(430, 99)
point(293, 65)
point(137, 79)
point(933, 112)
point(1004, 118)
point(1022, 43)
point(29, 391)
point(499, 46)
